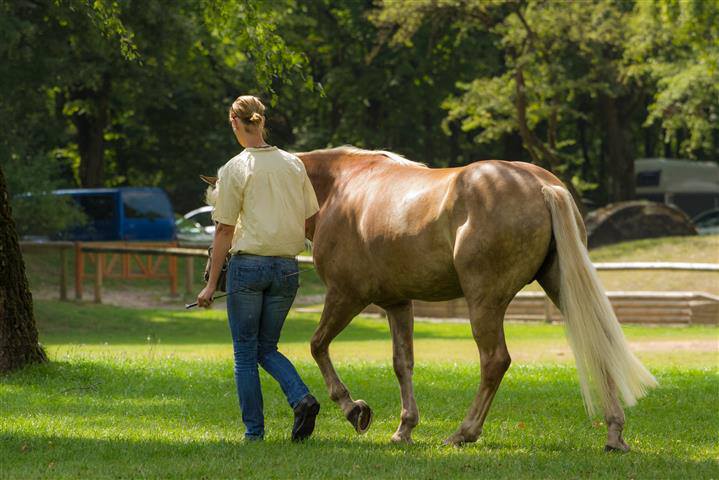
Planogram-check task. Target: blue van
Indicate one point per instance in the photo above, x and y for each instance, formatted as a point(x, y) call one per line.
point(125, 213)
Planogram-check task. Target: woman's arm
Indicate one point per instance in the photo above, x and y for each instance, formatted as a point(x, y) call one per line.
point(228, 204)
point(221, 244)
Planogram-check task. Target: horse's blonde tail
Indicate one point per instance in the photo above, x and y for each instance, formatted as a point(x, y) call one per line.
point(604, 361)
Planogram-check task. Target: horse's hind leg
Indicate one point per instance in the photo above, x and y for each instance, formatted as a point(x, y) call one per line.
point(613, 413)
point(338, 312)
point(486, 317)
point(401, 323)
point(614, 416)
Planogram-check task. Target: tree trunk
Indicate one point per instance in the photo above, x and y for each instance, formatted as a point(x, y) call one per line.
point(540, 153)
point(18, 335)
point(454, 149)
point(90, 124)
point(512, 147)
point(620, 160)
point(428, 137)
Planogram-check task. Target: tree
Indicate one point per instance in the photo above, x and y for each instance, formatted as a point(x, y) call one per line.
point(559, 61)
point(24, 110)
point(18, 335)
point(589, 86)
point(37, 212)
point(82, 76)
point(136, 92)
point(674, 46)
point(376, 94)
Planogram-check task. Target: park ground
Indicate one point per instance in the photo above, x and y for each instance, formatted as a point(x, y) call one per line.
point(149, 393)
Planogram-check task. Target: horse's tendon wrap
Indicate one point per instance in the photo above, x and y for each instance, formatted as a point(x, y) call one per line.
point(602, 354)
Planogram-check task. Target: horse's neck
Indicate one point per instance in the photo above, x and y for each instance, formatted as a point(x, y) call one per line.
point(329, 170)
point(323, 173)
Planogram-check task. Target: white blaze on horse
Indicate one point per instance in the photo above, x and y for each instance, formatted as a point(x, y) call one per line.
point(390, 230)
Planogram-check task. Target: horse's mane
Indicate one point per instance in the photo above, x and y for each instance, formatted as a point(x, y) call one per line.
point(354, 151)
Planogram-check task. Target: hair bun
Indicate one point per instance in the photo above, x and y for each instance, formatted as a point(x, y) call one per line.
point(249, 109)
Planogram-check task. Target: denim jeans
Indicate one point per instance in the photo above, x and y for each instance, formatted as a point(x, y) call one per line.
point(266, 288)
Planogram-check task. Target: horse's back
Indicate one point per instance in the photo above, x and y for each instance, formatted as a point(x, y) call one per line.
point(405, 231)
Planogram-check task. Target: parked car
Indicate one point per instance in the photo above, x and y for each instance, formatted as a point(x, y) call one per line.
point(125, 213)
point(707, 223)
point(196, 227)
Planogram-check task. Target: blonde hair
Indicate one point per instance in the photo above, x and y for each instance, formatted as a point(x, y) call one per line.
point(250, 110)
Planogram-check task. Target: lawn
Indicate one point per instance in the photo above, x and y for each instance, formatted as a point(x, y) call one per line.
point(699, 249)
point(149, 393)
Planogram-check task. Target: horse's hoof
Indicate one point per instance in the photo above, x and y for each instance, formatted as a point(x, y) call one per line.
point(399, 438)
point(360, 416)
point(455, 441)
point(621, 448)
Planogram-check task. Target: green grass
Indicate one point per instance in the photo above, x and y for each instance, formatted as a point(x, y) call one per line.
point(700, 249)
point(149, 393)
point(85, 327)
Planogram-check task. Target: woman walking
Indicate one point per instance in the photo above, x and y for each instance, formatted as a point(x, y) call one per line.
point(263, 197)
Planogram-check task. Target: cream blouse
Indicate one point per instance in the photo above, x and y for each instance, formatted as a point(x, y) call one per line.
point(266, 194)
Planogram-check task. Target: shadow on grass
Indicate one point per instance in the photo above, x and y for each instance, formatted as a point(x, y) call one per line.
point(85, 323)
point(68, 322)
point(537, 408)
point(59, 455)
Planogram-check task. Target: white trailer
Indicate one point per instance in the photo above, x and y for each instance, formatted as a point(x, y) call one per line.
point(691, 186)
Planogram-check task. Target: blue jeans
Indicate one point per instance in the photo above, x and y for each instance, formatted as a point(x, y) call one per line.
point(266, 289)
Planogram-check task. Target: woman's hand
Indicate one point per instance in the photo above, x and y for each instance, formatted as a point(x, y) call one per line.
point(204, 299)
point(220, 246)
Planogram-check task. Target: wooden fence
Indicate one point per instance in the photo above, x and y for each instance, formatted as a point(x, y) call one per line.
point(630, 307)
point(153, 260)
point(126, 260)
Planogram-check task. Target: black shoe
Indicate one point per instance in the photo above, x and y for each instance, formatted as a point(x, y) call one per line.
point(305, 413)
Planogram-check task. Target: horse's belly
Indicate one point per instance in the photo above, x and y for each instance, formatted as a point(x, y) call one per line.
point(438, 295)
point(418, 282)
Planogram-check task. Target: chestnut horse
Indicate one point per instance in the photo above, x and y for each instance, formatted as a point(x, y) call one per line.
point(390, 230)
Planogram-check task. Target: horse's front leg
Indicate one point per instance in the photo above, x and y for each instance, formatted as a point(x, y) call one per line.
point(338, 312)
point(401, 323)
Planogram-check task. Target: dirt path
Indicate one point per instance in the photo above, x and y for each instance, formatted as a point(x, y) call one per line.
point(673, 345)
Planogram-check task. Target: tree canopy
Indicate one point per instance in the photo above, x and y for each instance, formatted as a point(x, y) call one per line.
point(110, 93)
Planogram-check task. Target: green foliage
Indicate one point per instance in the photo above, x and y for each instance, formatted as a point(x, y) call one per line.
point(675, 45)
point(140, 90)
point(105, 18)
point(576, 70)
point(487, 106)
point(254, 26)
point(377, 94)
point(150, 393)
point(35, 210)
point(135, 92)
